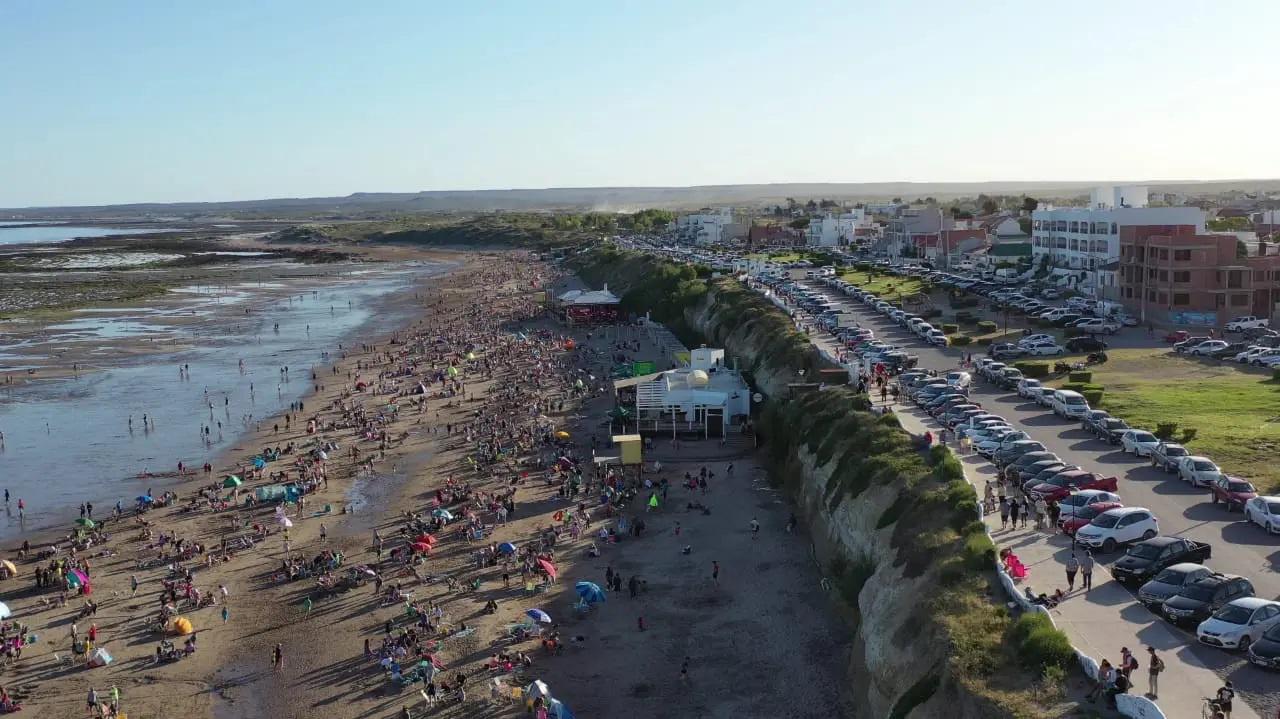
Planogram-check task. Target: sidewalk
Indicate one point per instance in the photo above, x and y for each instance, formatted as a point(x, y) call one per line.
point(1107, 618)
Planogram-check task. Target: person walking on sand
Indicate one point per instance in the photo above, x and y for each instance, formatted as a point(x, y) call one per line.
point(324, 534)
point(715, 572)
point(277, 659)
point(755, 528)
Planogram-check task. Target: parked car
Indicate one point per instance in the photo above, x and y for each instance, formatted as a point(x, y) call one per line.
point(1009, 378)
point(1045, 397)
point(1068, 404)
point(1004, 350)
point(1207, 347)
point(1091, 419)
point(1084, 515)
point(1014, 468)
point(1085, 344)
point(1166, 456)
point(1230, 351)
point(1097, 324)
point(1240, 324)
point(1265, 651)
point(1170, 581)
point(1012, 452)
point(1198, 601)
point(1046, 350)
point(1246, 356)
point(1233, 492)
point(1076, 501)
point(1237, 624)
point(1177, 336)
point(1026, 385)
point(1199, 471)
point(1115, 527)
point(1036, 339)
point(1138, 442)
point(1190, 342)
point(1146, 559)
point(1063, 485)
point(1264, 512)
point(1111, 429)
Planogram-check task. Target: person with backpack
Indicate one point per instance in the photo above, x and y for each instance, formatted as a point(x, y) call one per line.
point(1155, 665)
point(1128, 663)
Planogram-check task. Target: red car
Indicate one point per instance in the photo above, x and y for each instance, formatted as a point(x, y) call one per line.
point(1178, 336)
point(1084, 515)
point(1061, 486)
point(1232, 491)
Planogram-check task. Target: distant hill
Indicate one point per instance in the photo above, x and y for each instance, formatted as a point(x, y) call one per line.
point(367, 205)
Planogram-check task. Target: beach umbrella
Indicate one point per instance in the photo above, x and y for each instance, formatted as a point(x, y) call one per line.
point(4, 611)
point(537, 690)
point(421, 547)
point(471, 356)
point(577, 383)
point(144, 499)
point(9, 567)
point(259, 463)
point(86, 523)
point(548, 567)
point(507, 548)
point(442, 514)
point(452, 371)
point(426, 538)
point(590, 592)
point(232, 481)
point(562, 434)
point(181, 625)
point(538, 615)
point(285, 521)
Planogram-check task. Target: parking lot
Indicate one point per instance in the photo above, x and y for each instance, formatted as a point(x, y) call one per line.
point(1238, 547)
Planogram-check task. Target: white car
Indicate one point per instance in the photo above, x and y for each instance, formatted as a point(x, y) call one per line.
point(1026, 385)
point(1264, 512)
point(1264, 356)
point(1138, 442)
point(1199, 471)
point(1239, 622)
point(1041, 350)
point(1082, 499)
point(1036, 339)
point(1115, 527)
point(1250, 353)
point(1208, 347)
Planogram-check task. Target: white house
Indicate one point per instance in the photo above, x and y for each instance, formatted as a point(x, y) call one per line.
point(706, 227)
point(832, 230)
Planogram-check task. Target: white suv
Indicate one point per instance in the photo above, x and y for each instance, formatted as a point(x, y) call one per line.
point(1121, 525)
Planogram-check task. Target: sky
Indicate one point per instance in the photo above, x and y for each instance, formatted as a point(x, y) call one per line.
point(160, 101)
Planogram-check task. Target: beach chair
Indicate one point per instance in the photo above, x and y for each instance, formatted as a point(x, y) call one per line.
point(517, 695)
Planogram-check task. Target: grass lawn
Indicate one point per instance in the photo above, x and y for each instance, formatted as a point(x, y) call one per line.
point(1235, 412)
point(781, 257)
point(880, 284)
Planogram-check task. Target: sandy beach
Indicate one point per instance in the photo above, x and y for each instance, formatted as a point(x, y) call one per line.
point(765, 616)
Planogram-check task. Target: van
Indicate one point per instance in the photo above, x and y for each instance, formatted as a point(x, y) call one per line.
point(1069, 404)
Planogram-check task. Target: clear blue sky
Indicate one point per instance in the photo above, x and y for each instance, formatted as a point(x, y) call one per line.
point(156, 100)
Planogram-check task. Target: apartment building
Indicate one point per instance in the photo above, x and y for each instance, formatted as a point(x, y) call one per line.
point(1088, 238)
point(910, 228)
point(1178, 276)
point(706, 227)
point(832, 230)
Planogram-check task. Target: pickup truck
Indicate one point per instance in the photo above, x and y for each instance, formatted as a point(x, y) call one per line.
point(1240, 324)
point(1145, 560)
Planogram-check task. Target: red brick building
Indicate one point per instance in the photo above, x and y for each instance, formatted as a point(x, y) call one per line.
point(1171, 275)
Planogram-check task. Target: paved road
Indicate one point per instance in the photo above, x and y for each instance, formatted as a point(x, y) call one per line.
point(1239, 548)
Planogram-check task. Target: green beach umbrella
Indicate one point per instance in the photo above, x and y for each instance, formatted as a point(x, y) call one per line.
point(232, 481)
point(86, 523)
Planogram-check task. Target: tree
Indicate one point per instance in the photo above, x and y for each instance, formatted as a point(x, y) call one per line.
point(828, 204)
point(988, 205)
point(1024, 224)
point(1242, 250)
point(1029, 204)
point(799, 224)
point(791, 203)
point(811, 206)
point(897, 200)
point(1230, 224)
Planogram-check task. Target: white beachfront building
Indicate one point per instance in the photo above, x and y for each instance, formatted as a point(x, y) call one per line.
point(832, 230)
point(707, 395)
point(1087, 238)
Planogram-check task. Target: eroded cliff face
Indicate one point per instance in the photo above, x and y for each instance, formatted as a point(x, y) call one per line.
point(898, 665)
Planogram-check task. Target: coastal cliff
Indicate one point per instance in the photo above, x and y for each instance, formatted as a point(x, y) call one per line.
point(894, 528)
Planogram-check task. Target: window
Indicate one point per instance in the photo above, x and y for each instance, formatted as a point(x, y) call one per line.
point(1221, 301)
point(1182, 255)
point(1164, 253)
point(1259, 275)
point(1114, 230)
point(1181, 299)
point(1239, 300)
point(1164, 276)
point(1182, 276)
point(1162, 298)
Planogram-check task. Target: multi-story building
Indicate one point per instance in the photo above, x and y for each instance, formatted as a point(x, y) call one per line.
point(1088, 238)
point(707, 227)
point(910, 228)
point(833, 230)
point(1182, 277)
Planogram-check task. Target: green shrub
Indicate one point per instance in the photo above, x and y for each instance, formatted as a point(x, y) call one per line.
point(949, 470)
point(950, 329)
point(984, 341)
point(1085, 377)
point(987, 326)
point(960, 340)
point(1275, 374)
point(1034, 370)
point(1039, 644)
point(1093, 397)
point(937, 453)
point(1166, 430)
point(1188, 434)
point(979, 551)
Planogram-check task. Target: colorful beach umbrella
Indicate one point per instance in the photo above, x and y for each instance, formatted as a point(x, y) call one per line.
point(422, 547)
point(442, 514)
point(144, 499)
point(548, 567)
point(86, 523)
point(507, 548)
point(232, 481)
point(590, 592)
point(4, 611)
point(9, 567)
point(538, 615)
